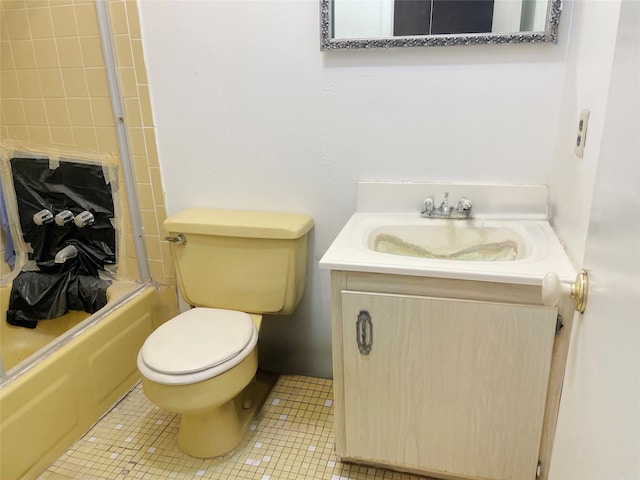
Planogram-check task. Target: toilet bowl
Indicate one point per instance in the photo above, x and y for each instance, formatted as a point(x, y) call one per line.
point(202, 364)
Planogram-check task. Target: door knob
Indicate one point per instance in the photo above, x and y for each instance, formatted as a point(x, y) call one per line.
point(553, 289)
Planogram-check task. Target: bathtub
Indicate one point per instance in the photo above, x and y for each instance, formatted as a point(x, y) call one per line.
point(49, 400)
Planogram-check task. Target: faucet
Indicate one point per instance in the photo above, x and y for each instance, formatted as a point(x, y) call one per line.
point(444, 206)
point(461, 210)
point(66, 253)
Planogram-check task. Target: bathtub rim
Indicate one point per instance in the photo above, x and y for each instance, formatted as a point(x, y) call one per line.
point(29, 363)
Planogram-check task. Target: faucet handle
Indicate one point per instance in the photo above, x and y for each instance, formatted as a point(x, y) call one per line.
point(428, 205)
point(464, 205)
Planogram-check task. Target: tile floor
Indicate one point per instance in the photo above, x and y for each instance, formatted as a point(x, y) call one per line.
point(291, 438)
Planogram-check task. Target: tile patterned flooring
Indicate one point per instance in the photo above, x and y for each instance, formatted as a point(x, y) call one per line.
point(291, 438)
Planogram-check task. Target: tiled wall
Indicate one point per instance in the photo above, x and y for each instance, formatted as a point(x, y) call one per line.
point(53, 91)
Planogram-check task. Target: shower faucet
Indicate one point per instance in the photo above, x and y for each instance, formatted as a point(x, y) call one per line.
point(461, 211)
point(66, 253)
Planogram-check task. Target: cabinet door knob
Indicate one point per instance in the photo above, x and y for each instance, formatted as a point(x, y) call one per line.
point(364, 332)
point(553, 289)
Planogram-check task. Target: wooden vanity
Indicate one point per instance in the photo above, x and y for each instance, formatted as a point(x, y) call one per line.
point(457, 379)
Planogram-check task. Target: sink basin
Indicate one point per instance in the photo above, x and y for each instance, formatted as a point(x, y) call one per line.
point(497, 250)
point(449, 240)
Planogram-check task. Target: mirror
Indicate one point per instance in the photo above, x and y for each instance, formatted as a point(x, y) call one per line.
point(347, 24)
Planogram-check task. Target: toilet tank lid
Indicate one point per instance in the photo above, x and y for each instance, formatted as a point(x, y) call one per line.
point(239, 223)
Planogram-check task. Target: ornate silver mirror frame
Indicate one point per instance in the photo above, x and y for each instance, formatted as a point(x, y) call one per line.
point(549, 34)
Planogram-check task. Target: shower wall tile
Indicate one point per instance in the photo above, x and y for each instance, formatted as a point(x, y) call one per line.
point(69, 52)
point(138, 61)
point(51, 83)
point(165, 250)
point(128, 82)
point(57, 111)
point(86, 19)
point(152, 148)
point(6, 55)
point(80, 111)
point(23, 54)
point(134, 20)
point(107, 139)
point(156, 183)
point(157, 269)
point(39, 135)
point(166, 296)
point(46, 52)
point(85, 137)
point(9, 87)
point(29, 83)
point(97, 82)
point(123, 50)
point(40, 22)
point(75, 82)
point(141, 167)
point(118, 18)
point(145, 196)
point(91, 47)
point(13, 111)
point(62, 136)
point(53, 89)
point(102, 113)
point(17, 132)
point(132, 112)
point(150, 222)
point(147, 116)
point(35, 111)
point(153, 247)
point(17, 24)
point(64, 21)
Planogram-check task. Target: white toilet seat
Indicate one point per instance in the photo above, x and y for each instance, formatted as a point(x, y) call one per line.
point(197, 345)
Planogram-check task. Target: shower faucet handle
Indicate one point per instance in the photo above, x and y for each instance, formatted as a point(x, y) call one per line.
point(63, 218)
point(43, 217)
point(84, 219)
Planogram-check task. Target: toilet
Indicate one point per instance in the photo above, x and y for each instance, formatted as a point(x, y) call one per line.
point(232, 266)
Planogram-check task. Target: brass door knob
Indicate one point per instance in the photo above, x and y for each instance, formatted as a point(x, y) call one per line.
point(553, 289)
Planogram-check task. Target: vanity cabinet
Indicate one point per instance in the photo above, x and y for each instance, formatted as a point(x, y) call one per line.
point(450, 378)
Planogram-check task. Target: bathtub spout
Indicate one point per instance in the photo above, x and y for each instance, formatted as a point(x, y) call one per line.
point(66, 253)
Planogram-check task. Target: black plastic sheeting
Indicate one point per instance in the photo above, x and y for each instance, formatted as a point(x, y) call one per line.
point(40, 296)
point(73, 285)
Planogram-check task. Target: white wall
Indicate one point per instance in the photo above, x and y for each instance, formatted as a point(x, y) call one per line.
point(586, 86)
point(250, 114)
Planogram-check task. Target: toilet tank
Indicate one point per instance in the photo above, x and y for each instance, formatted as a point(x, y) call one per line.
point(253, 261)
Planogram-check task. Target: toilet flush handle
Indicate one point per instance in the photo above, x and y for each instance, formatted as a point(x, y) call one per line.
point(178, 240)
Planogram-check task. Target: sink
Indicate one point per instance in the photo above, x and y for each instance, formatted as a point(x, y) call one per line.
point(486, 249)
point(449, 240)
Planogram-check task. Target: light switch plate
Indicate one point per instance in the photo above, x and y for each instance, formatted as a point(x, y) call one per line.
point(581, 136)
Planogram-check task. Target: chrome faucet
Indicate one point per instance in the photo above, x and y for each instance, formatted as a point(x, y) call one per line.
point(444, 206)
point(462, 209)
point(66, 253)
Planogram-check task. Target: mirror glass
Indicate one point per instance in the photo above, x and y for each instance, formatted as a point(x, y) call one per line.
point(423, 23)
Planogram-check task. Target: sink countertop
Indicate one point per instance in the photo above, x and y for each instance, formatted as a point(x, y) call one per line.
point(349, 252)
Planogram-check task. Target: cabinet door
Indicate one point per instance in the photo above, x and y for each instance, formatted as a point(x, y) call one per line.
point(451, 387)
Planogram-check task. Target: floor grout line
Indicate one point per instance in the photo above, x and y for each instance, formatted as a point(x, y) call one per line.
point(292, 437)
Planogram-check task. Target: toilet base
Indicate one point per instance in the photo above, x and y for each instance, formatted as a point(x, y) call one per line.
point(218, 431)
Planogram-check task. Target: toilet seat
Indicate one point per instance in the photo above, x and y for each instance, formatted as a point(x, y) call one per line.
point(197, 345)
